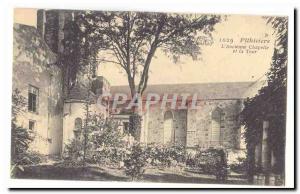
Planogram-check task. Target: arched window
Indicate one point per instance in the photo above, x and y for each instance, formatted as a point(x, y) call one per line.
point(78, 124)
point(216, 132)
point(169, 136)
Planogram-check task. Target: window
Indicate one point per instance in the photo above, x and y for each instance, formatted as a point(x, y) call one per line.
point(33, 94)
point(78, 124)
point(169, 132)
point(216, 132)
point(31, 125)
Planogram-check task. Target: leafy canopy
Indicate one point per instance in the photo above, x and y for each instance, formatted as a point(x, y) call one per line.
point(130, 39)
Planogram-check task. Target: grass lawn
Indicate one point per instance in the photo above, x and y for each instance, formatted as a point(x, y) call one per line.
point(96, 173)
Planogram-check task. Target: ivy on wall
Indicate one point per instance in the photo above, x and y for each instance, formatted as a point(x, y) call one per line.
point(270, 102)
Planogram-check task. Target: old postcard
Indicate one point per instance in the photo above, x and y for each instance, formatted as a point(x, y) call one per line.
point(155, 97)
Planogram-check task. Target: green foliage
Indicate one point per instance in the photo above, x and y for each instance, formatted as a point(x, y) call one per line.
point(165, 156)
point(73, 153)
point(135, 162)
point(174, 33)
point(111, 156)
point(105, 132)
point(130, 40)
point(240, 166)
point(100, 141)
point(270, 103)
point(18, 104)
point(107, 140)
point(210, 161)
point(78, 54)
point(20, 137)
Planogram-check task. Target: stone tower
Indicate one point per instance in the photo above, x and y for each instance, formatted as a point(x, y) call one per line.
point(53, 27)
point(50, 24)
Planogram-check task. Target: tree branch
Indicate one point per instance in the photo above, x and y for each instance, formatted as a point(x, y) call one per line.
point(153, 47)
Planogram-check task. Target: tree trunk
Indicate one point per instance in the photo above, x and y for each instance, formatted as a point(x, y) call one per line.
point(135, 119)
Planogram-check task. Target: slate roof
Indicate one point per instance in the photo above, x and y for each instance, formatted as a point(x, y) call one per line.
point(223, 90)
point(255, 87)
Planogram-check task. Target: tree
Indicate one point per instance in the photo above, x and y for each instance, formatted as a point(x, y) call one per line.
point(270, 103)
point(131, 39)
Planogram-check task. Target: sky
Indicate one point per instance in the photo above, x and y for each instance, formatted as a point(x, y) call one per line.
point(216, 65)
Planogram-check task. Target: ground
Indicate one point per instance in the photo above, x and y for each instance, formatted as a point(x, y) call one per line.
point(97, 173)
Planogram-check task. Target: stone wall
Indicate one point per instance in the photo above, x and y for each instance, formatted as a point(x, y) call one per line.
point(203, 124)
point(51, 26)
point(33, 65)
point(215, 123)
point(155, 125)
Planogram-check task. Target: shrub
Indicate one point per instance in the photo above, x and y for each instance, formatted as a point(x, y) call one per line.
point(135, 162)
point(101, 142)
point(210, 161)
point(108, 155)
point(240, 166)
point(190, 160)
point(157, 155)
point(20, 137)
point(177, 153)
point(73, 153)
point(107, 141)
point(165, 156)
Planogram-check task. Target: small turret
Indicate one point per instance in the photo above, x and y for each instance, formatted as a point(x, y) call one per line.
point(100, 86)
